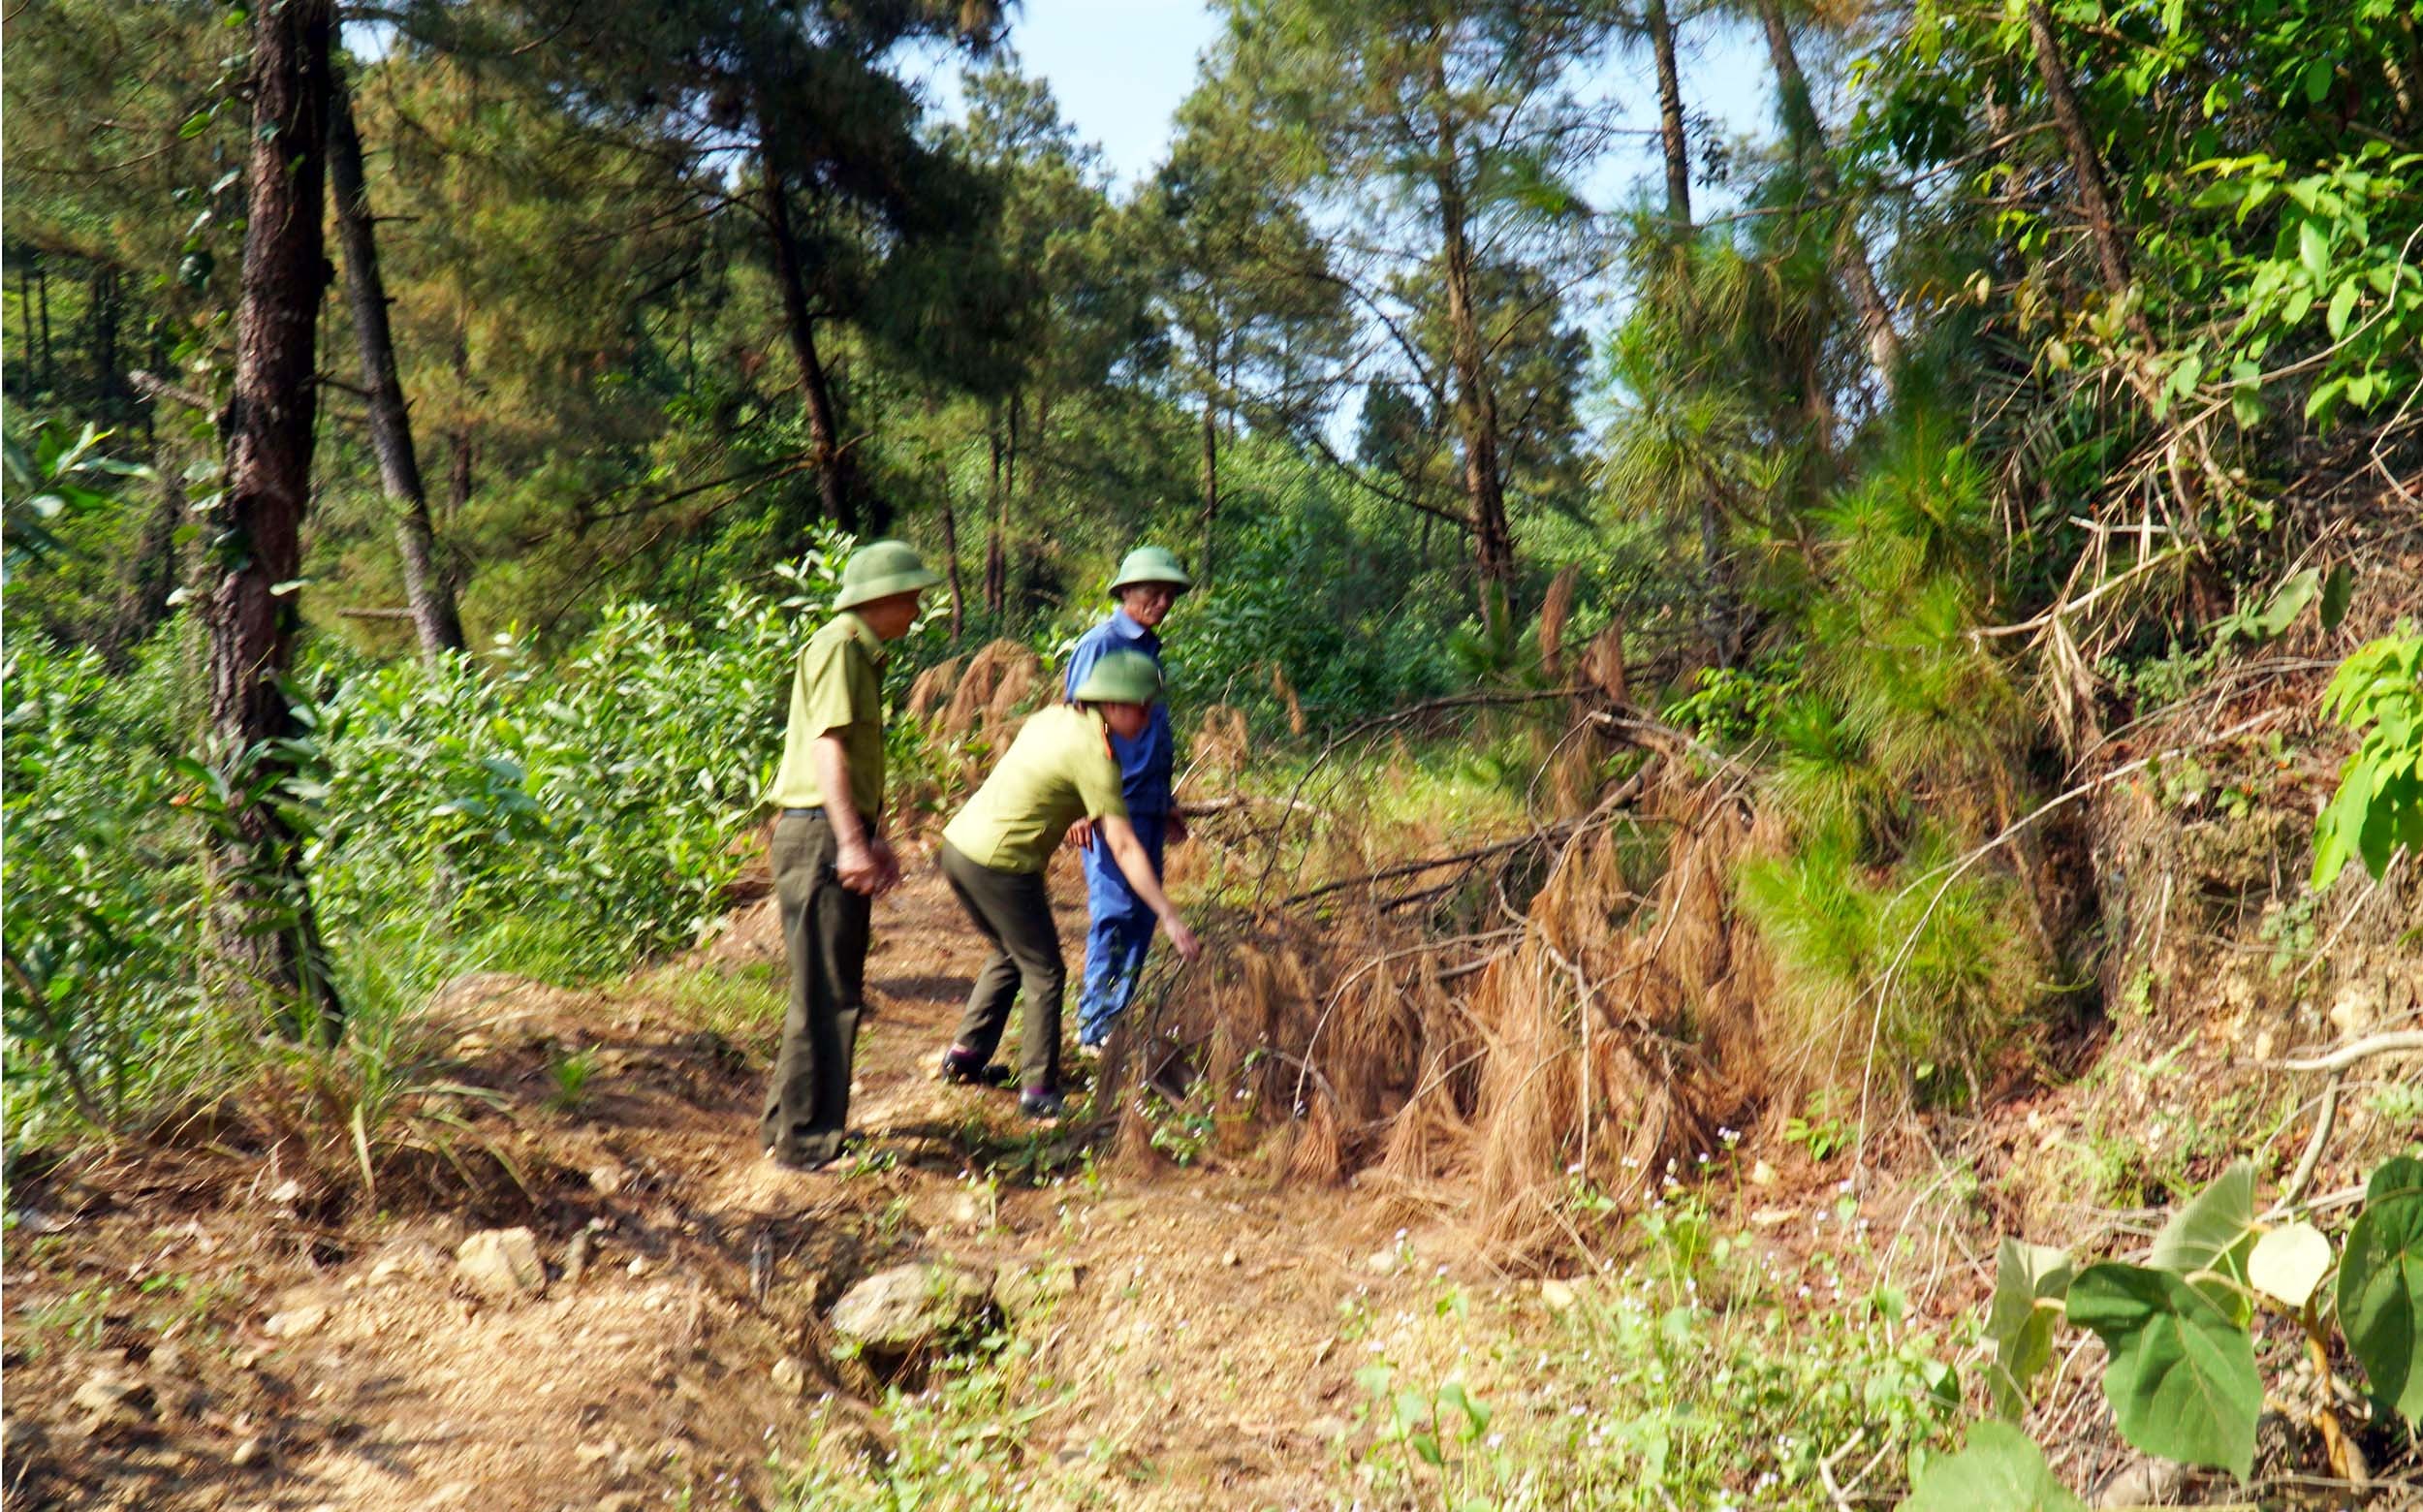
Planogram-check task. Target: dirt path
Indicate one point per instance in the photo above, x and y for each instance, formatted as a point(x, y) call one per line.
point(204, 1342)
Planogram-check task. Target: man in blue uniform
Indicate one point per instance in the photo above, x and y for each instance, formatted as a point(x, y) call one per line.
point(1149, 581)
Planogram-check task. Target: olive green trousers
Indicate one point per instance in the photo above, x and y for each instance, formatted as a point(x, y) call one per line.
point(824, 929)
point(1013, 910)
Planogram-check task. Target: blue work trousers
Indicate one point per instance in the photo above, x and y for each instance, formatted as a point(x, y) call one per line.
point(1119, 931)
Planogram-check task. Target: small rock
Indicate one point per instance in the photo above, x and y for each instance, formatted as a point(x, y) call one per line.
point(170, 1357)
point(789, 1374)
point(636, 1268)
point(1762, 1175)
point(109, 1396)
point(577, 1256)
point(288, 1191)
point(502, 1263)
point(1558, 1295)
point(248, 1454)
point(296, 1321)
point(602, 1450)
point(1230, 1260)
point(607, 1180)
point(1023, 1289)
point(1383, 1261)
point(897, 1313)
point(2148, 1482)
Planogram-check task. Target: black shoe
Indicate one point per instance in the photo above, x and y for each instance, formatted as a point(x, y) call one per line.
point(967, 1071)
point(1042, 1104)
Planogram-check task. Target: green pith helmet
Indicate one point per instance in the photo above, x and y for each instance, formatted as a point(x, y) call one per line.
point(880, 569)
point(1121, 677)
point(1150, 564)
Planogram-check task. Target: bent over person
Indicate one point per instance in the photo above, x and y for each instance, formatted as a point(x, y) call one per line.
point(1119, 923)
point(830, 856)
point(1058, 771)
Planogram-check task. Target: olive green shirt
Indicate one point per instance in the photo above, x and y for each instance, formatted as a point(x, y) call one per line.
point(1058, 771)
point(836, 688)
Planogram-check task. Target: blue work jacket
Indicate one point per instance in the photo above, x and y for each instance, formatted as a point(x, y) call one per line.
point(1145, 762)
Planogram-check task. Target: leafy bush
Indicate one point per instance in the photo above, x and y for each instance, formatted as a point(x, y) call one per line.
point(2178, 1333)
point(562, 819)
point(2380, 805)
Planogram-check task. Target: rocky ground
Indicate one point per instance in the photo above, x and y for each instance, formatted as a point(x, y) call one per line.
point(654, 1320)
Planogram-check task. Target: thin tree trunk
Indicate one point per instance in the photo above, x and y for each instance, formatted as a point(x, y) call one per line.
point(951, 557)
point(996, 577)
point(109, 383)
point(836, 483)
point(265, 932)
point(1210, 469)
point(459, 451)
point(1670, 119)
point(143, 603)
point(434, 617)
point(1476, 397)
point(41, 308)
point(1816, 160)
point(2110, 253)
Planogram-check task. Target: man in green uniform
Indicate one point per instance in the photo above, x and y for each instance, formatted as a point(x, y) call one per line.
point(830, 856)
point(1059, 769)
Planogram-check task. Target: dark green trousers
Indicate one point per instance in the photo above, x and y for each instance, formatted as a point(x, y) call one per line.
point(1014, 911)
point(824, 928)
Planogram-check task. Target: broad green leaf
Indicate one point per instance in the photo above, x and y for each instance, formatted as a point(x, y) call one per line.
point(2380, 1286)
point(2342, 304)
point(2182, 1379)
point(2213, 1233)
point(2029, 1280)
point(2001, 1470)
point(2289, 1262)
point(2288, 602)
point(2337, 590)
point(2314, 250)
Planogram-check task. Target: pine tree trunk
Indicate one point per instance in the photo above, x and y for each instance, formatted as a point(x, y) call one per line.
point(2110, 253)
point(951, 557)
point(1670, 119)
point(1210, 472)
point(1808, 144)
point(836, 485)
point(1476, 397)
point(267, 937)
point(434, 617)
point(996, 574)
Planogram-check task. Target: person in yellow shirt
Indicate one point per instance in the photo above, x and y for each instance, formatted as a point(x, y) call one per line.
point(830, 856)
point(1059, 769)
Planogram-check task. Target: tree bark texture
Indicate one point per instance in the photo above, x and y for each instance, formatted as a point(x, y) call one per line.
point(266, 934)
point(836, 482)
point(951, 557)
point(1476, 397)
point(458, 442)
point(434, 618)
point(997, 576)
point(1669, 118)
point(2086, 164)
point(1210, 469)
point(1816, 160)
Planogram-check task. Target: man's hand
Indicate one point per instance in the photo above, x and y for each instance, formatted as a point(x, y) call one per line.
point(1181, 938)
point(1080, 834)
point(859, 868)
